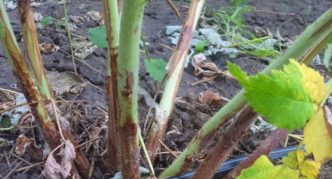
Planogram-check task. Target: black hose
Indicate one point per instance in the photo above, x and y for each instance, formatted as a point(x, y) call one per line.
point(230, 164)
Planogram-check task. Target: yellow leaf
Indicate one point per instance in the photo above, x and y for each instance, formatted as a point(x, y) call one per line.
point(290, 160)
point(263, 162)
point(310, 169)
point(313, 82)
point(316, 137)
point(299, 161)
point(300, 155)
point(264, 169)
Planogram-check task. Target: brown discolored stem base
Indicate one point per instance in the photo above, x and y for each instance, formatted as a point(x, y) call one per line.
point(130, 163)
point(153, 144)
point(273, 141)
point(226, 144)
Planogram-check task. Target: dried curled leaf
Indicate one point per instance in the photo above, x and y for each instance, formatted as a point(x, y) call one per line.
point(211, 98)
point(22, 142)
point(65, 82)
point(68, 155)
point(202, 67)
point(53, 169)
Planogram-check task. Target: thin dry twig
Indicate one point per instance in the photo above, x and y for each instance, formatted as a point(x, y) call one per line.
point(296, 137)
point(203, 80)
point(7, 159)
point(92, 166)
point(166, 46)
point(21, 159)
point(146, 155)
point(168, 149)
point(174, 8)
point(81, 61)
point(87, 142)
point(275, 13)
point(57, 119)
point(167, 153)
point(26, 168)
point(13, 107)
point(10, 91)
point(12, 170)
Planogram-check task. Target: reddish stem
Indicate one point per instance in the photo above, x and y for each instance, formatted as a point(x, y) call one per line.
point(226, 144)
point(273, 141)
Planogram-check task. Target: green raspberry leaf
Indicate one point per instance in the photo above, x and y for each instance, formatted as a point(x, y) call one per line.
point(236, 71)
point(283, 97)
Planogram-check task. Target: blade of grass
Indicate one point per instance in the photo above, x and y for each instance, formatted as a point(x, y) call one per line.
point(146, 155)
point(69, 35)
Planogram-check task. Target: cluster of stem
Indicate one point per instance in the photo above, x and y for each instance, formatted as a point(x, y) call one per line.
point(122, 82)
point(34, 82)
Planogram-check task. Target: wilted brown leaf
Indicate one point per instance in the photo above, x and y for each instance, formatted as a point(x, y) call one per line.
point(22, 142)
point(204, 68)
point(68, 155)
point(211, 98)
point(96, 16)
point(48, 48)
point(65, 82)
point(83, 48)
point(51, 169)
point(77, 19)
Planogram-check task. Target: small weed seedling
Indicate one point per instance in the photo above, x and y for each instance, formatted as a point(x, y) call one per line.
point(156, 68)
point(97, 36)
point(231, 23)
